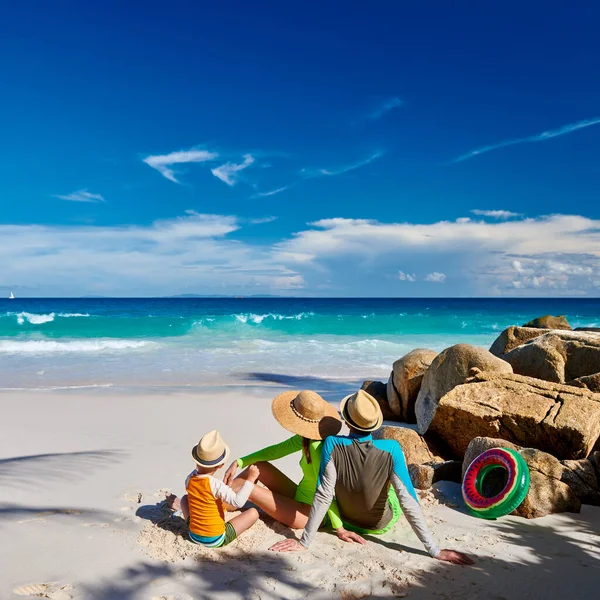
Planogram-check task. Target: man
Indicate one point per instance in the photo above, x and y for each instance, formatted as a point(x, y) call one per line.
point(359, 471)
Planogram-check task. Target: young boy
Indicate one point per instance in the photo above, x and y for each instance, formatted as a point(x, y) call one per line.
point(202, 506)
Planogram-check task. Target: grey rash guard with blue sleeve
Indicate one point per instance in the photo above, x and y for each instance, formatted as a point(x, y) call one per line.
point(358, 472)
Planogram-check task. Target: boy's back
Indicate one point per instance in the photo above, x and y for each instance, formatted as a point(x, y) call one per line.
point(207, 516)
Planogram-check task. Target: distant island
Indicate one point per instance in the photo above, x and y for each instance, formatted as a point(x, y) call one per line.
point(223, 296)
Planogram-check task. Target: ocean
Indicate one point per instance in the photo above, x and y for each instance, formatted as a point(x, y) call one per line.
point(187, 342)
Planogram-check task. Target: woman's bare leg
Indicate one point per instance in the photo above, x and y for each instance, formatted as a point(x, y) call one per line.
point(277, 497)
point(244, 521)
point(271, 477)
point(286, 510)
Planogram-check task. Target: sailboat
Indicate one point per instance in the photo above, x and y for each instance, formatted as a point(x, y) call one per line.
point(12, 296)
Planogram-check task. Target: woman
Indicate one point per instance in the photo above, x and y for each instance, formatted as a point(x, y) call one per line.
point(311, 419)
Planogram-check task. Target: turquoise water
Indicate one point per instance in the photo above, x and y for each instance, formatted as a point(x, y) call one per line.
point(99, 342)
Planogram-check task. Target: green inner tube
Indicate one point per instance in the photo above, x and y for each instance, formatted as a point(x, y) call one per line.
point(491, 481)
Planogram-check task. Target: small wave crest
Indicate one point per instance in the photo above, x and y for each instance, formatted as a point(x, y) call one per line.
point(35, 319)
point(258, 319)
point(49, 346)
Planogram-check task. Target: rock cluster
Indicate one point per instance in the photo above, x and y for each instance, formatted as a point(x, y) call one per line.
point(405, 382)
point(449, 369)
point(557, 356)
point(556, 418)
point(537, 390)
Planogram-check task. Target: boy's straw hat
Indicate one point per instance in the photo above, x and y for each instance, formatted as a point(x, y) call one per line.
point(361, 411)
point(211, 450)
point(306, 414)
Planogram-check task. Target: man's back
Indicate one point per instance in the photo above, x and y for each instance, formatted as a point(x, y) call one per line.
point(364, 471)
point(358, 471)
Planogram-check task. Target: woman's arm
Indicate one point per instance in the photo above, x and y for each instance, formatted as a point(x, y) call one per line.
point(289, 446)
point(316, 453)
point(267, 454)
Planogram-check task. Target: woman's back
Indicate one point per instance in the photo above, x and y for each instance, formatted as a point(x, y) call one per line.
point(310, 473)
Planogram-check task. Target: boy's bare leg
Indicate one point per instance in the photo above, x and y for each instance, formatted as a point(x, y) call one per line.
point(244, 521)
point(179, 504)
point(185, 507)
point(173, 502)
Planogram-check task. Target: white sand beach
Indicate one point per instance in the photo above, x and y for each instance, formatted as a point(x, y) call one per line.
point(82, 474)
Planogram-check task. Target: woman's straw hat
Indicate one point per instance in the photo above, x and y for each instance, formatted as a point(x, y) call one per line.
point(211, 450)
point(361, 411)
point(306, 414)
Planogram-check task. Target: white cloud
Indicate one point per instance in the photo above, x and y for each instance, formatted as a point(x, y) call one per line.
point(540, 137)
point(517, 266)
point(477, 257)
point(554, 233)
point(402, 276)
point(163, 163)
point(556, 272)
point(194, 253)
point(81, 196)
point(272, 192)
point(262, 220)
point(229, 172)
point(384, 108)
point(289, 282)
point(496, 214)
point(436, 277)
point(310, 173)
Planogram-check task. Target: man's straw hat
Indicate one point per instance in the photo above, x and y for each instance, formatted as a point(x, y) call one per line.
point(211, 450)
point(306, 414)
point(361, 411)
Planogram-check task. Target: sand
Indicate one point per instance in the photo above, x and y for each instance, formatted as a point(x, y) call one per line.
point(82, 477)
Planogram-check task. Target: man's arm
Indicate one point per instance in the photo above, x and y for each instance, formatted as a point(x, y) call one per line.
point(321, 503)
point(414, 515)
point(407, 496)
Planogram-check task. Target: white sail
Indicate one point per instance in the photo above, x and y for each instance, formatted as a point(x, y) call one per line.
point(12, 296)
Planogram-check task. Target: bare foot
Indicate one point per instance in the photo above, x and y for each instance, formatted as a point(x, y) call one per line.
point(173, 502)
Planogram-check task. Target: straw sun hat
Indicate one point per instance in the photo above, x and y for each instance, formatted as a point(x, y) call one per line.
point(361, 411)
point(306, 414)
point(211, 450)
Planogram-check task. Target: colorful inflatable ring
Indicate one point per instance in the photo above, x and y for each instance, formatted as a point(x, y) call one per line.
point(514, 491)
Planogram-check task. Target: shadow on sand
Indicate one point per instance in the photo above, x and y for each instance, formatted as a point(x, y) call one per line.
point(18, 511)
point(332, 390)
point(561, 565)
point(33, 471)
point(28, 471)
point(162, 516)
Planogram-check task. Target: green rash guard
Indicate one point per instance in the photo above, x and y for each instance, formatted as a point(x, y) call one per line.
point(305, 492)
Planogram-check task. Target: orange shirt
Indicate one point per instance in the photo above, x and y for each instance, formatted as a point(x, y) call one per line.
point(205, 498)
point(207, 516)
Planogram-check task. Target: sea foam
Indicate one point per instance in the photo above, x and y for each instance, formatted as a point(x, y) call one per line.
point(49, 346)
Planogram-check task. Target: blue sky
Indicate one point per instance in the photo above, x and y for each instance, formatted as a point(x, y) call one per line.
point(316, 149)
